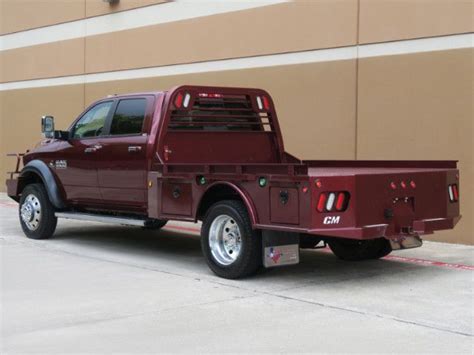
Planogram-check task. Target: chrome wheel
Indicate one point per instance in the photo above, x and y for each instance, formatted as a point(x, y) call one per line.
point(30, 212)
point(225, 240)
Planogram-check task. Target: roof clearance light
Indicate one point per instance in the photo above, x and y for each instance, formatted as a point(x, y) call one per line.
point(205, 94)
point(318, 183)
point(393, 185)
point(259, 103)
point(266, 103)
point(178, 101)
point(413, 184)
point(403, 185)
point(187, 97)
point(330, 203)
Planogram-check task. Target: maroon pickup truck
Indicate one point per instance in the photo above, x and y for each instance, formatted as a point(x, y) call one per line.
point(216, 154)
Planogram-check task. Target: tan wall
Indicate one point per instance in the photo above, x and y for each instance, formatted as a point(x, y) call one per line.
point(43, 61)
point(321, 24)
point(20, 15)
point(389, 20)
point(95, 7)
point(313, 25)
point(419, 106)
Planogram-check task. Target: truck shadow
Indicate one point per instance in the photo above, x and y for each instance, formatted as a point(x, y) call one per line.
point(183, 251)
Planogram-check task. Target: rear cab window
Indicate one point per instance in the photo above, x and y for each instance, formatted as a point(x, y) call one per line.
point(128, 117)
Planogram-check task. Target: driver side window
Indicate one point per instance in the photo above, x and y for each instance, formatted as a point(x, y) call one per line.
point(92, 123)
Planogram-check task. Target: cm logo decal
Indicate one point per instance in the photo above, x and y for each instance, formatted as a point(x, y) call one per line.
point(331, 219)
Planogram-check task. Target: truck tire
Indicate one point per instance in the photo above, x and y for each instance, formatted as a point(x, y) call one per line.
point(231, 247)
point(36, 212)
point(355, 250)
point(154, 224)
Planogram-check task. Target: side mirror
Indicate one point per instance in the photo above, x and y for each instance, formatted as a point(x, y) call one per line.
point(47, 126)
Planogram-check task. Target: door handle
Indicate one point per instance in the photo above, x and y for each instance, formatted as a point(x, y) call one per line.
point(93, 149)
point(134, 149)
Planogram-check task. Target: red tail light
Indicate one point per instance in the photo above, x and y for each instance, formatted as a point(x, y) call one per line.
point(341, 201)
point(455, 191)
point(178, 101)
point(263, 102)
point(322, 202)
point(266, 103)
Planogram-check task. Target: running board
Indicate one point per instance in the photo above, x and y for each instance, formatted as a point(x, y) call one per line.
point(101, 218)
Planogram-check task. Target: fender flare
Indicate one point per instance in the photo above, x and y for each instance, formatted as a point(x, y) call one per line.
point(39, 168)
point(242, 194)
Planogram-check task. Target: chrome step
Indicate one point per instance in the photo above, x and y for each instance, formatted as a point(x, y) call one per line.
point(100, 218)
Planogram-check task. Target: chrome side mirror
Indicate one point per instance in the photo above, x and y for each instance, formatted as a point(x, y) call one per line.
point(47, 126)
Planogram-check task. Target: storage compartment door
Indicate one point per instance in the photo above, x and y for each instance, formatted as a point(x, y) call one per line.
point(284, 205)
point(177, 198)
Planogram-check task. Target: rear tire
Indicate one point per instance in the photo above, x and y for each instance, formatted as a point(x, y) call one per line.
point(356, 250)
point(231, 247)
point(36, 212)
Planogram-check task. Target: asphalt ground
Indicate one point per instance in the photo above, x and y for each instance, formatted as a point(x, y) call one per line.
point(98, 288)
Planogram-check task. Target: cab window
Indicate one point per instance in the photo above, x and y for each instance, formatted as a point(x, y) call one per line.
point(92, 123)
point(128, 117)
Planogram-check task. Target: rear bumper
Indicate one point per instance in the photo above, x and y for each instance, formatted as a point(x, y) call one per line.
point(419, 227)
point(365, 232)
point(428, 226)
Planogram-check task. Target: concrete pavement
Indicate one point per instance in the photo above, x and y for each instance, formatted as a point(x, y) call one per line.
point(97, 288)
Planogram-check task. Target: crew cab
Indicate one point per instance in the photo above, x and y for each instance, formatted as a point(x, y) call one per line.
point(216, 155)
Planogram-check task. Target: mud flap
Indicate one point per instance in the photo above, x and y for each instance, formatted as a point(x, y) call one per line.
point(280, 248)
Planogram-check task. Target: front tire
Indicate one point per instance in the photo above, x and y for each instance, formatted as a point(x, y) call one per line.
point(36, 212)
point(231, 247)
point(356, 250)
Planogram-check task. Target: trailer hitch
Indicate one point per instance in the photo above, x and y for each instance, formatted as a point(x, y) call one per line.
point(406, 242)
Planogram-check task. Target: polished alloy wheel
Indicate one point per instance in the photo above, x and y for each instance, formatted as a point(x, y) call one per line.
point(225, 240)
point(30, 212)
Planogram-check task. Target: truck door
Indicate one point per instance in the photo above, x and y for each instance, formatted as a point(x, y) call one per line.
point(76, 162)
point(122, 169)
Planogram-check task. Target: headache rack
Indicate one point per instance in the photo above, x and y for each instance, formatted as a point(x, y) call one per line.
point(218, 112)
